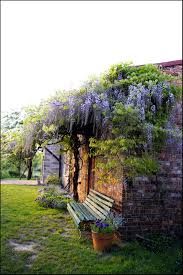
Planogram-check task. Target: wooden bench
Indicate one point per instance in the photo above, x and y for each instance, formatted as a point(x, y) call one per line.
point(96, 206)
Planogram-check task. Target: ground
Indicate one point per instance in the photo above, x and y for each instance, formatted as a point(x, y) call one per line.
point(36, 240)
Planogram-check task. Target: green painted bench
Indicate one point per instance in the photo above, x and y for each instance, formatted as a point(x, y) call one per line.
point(96, 206)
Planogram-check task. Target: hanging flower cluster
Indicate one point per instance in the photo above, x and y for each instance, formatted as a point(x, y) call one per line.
point(93, 107)
point(149, 98)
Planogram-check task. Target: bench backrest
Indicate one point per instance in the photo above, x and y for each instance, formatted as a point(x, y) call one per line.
point(98, 204)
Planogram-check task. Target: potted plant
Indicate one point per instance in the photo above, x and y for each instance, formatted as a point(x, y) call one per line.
point(104, 232)
point(102, 235)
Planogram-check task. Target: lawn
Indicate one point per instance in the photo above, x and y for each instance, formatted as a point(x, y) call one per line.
point(35, 240)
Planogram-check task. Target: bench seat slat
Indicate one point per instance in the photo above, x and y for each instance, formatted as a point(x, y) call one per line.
point(103, 196)
point(95, 199)
point(78, 211)
point(82, 211)
point(97, 207)
point(85, 212)
point(88, 202)
point(90, 210)
point(71, 211)
point(102, 200)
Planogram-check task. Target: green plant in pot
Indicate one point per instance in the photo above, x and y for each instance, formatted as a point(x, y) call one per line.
point(104, 232)
point(102, 235)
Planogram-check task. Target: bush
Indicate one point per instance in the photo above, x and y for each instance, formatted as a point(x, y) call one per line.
point(52, 201)
point(52, 179)
point(53, 189)
point(14, 174)
point(52, 196)
point(4, 174)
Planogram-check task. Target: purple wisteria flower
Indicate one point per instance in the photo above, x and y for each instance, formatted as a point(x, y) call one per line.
point(55, 103)
point(157, 94)
point(149, 134)
point(153, 109)
point(149, 98)
point(120, 76)
point(137, 99)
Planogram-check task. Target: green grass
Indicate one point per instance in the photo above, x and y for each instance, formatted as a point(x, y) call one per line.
point(24, 220)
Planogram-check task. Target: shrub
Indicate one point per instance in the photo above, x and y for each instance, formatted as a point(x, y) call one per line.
point(52, 179)
point(52, 201)
point(52, 190)
point(14, 174)
point(52, 196)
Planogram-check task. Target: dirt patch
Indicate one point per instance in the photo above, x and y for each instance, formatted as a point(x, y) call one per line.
point(30, 260)
point(67, 233)
point(26, 247)
point(29, 247)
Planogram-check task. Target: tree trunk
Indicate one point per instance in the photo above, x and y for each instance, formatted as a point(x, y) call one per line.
point(76, 145)
point(29, 166)
point(60, 169)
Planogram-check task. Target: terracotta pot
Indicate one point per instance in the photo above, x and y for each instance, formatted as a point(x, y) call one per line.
point(102, 241)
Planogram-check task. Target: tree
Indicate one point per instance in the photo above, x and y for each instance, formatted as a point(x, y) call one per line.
point(15, 155)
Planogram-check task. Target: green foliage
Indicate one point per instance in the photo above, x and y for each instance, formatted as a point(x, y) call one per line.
point(103, 227)
point(52, 197)
point(144, 165)
point(126, 122)
point(52, 179)
point(11, 120)
point(51, 201)
point(177, 91)
point(52, 189)
point(11, 153)
point(132, 75)
point(14, 155)
point(114, 71)
point(124, 149)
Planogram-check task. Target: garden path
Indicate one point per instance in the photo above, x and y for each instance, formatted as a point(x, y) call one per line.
point(19, 182)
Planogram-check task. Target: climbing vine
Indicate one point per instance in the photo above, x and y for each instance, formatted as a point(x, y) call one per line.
point(123, 114)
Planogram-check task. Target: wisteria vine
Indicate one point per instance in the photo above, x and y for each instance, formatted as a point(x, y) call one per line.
point(92, 111)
